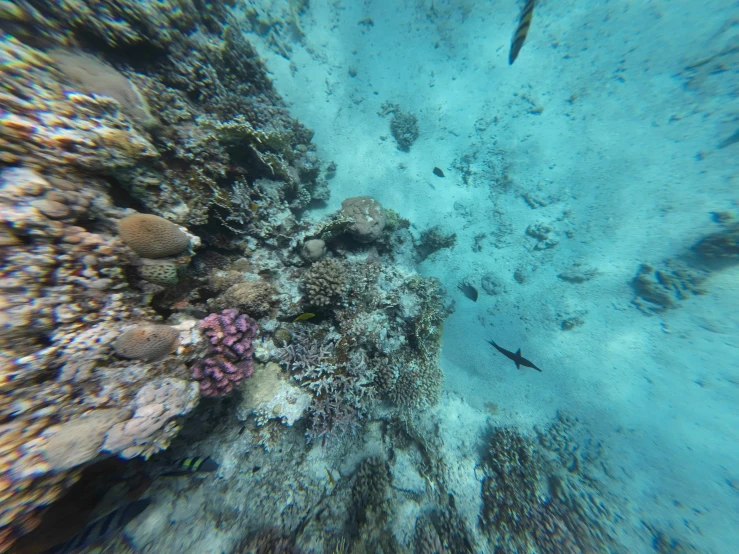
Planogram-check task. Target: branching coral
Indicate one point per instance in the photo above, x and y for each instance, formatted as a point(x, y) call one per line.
point(229, 358)
point(342, 392)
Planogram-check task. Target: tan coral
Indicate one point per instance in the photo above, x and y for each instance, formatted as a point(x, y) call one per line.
point(325, 283)
point(147, 342)
point(255, 298)
point(151, 236)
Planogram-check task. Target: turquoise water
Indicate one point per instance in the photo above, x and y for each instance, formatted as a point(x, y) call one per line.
point(579, 204)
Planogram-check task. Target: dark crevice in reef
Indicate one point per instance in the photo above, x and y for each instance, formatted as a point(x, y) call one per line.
point(122, 198)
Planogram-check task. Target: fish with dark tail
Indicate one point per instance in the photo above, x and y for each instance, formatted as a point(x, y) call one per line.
point(517, 358)
point(103, 527)
point(521, 31)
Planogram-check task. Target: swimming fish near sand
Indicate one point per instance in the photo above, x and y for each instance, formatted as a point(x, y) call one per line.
point(103, 527)
point(516, 357)
point(521, 31)
point(186, 466)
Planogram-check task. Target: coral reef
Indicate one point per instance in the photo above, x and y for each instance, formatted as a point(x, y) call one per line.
point(371, 481)
point(90, 74)
point(722, 245)
point(432, 240)
point(403, 126)
point(229, 357)
point(255, 298)
point(151, 236)
point(314, 249)
point(367, 217)
point(660, 289)
point(529, 503)
point(149, 343)
point(325, 283)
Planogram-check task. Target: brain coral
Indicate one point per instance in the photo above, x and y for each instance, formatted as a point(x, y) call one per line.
point(146, 342)
point(151, 236)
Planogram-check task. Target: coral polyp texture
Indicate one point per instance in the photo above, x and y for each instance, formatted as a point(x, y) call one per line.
point(229, 358)
point(146, 342)
point(151, 236)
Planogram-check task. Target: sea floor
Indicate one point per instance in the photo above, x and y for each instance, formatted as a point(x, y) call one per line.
point(597, 133)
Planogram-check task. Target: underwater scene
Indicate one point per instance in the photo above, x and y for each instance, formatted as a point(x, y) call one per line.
point(369, 276)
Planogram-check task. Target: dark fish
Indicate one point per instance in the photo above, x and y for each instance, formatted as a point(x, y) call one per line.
point(186, 466)
point(517, 358)
point(521, 31)
point(469, 291)
point(438, 172)
point(102, 527)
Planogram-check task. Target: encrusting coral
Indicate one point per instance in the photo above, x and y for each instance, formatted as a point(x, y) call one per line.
point(229, 358)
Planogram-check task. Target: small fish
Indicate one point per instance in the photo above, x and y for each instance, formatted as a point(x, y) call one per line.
point(438, 172)
point(330, 477)
point(103, 527)
point(521, 31)
point(187, 466)
point(517, 358)
point(469, 291)
point(303, 317)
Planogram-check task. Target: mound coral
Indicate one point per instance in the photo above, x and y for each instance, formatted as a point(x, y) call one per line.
point(229, 359)
point(146, 342)
point(367, 216)
point(151, 236)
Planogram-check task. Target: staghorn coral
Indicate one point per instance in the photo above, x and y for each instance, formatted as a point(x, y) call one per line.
point(151, 236)
point(367, 217)
point(229, 357)
point(325, 283)
point(147, 342)
point(341, 389)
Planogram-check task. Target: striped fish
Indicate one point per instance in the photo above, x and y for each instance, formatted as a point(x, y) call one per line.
point(102, 527)
point(187, 466)
point(521, 31)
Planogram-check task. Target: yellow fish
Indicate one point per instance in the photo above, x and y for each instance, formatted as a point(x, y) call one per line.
point(521, 31)
point(330, 477)
point(303, 317)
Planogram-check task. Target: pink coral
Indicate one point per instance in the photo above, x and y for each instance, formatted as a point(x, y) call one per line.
point(229, 360)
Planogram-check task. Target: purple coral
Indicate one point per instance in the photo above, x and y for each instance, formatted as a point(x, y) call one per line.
point(229, 359)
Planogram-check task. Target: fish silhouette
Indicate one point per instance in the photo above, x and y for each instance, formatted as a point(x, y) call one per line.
point(516, 357)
